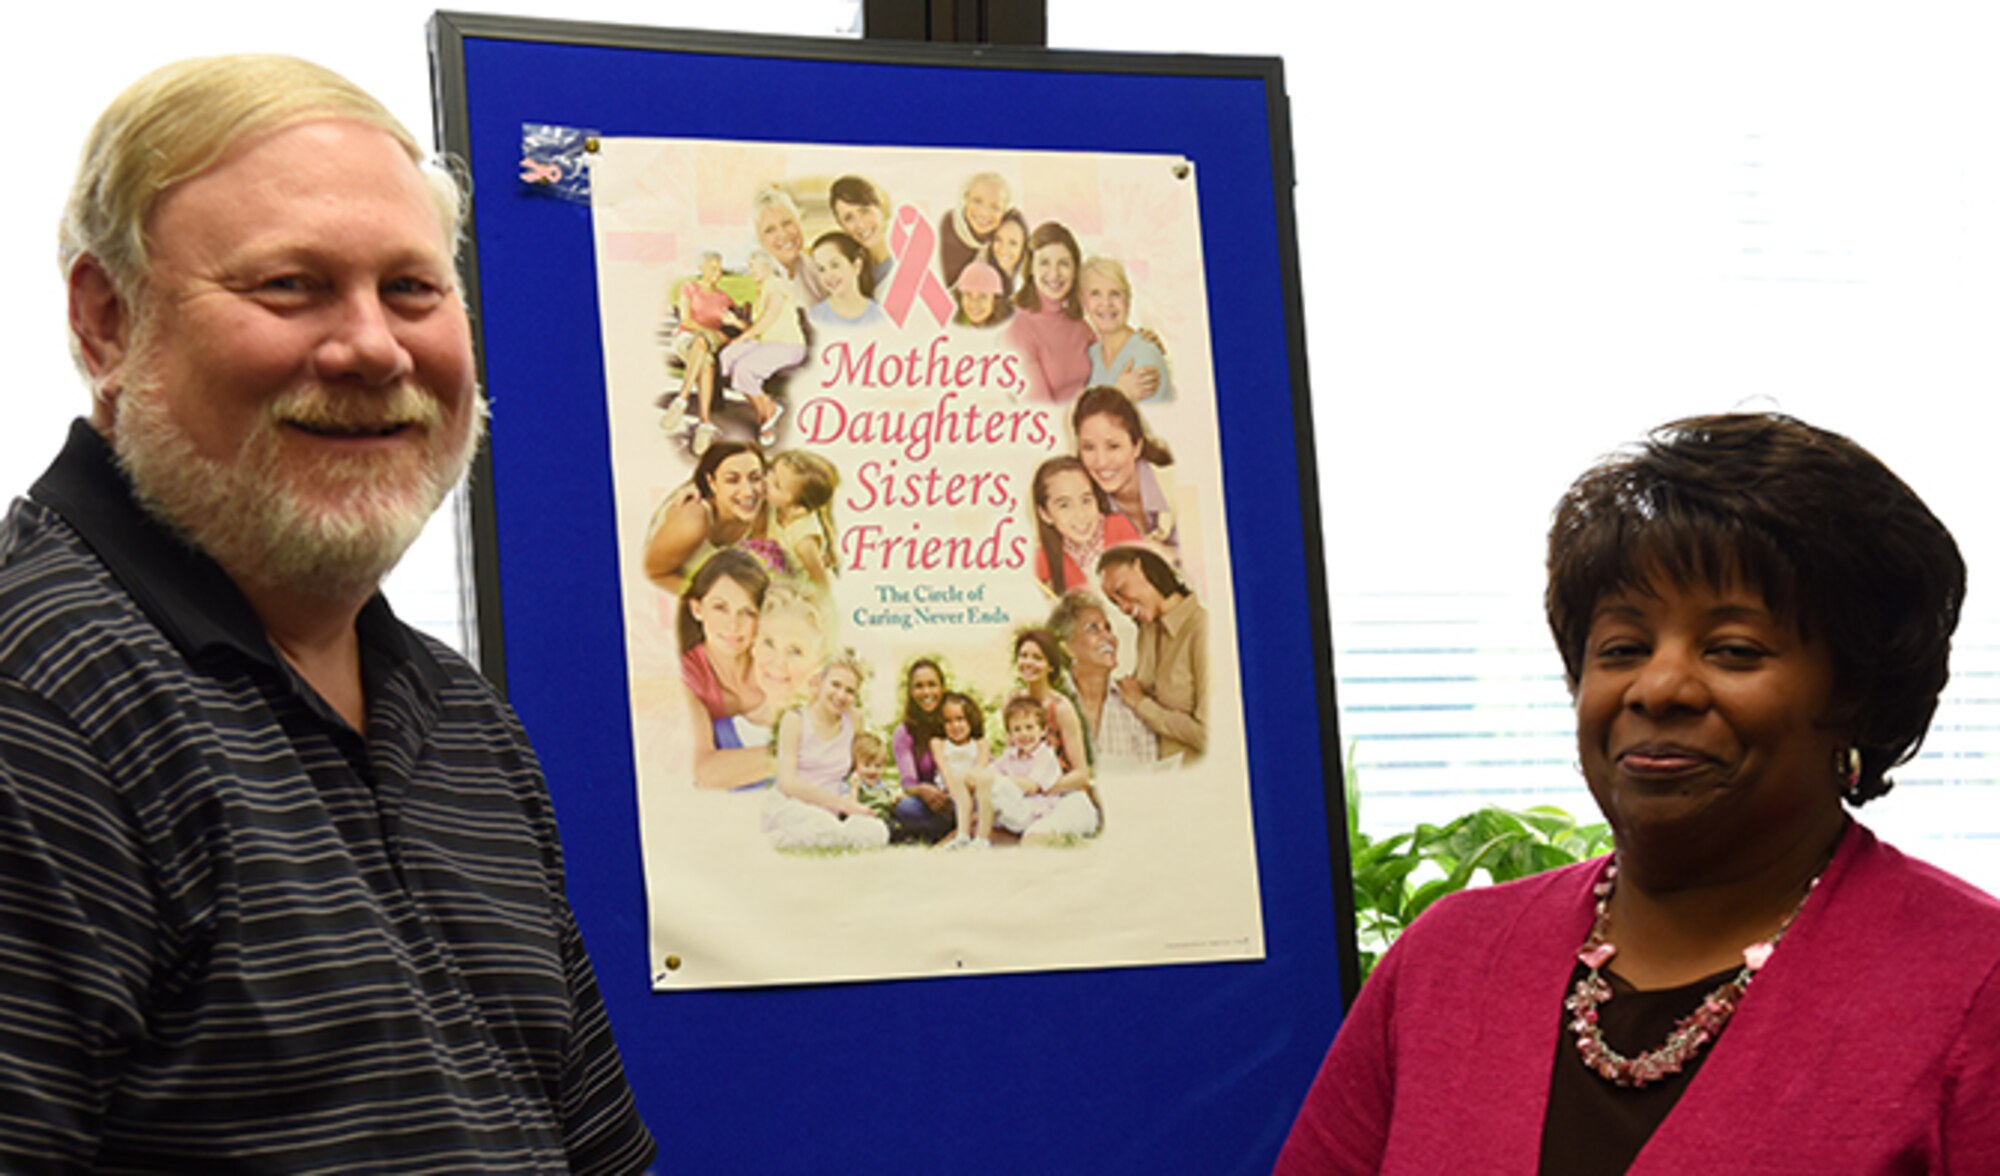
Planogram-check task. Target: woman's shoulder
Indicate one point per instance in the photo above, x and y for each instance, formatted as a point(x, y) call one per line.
point(1896, 895)
point(683, 513)
point(1551, 897)
point(1497, 937)
point(683, 497)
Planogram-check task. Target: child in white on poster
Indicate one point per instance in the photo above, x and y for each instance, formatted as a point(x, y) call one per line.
point(793, 640)
point(1026, 796)
point(800, 491)
point(968, 775)
point(814, 805)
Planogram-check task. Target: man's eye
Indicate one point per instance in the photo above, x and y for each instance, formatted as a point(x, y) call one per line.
point(284, 284)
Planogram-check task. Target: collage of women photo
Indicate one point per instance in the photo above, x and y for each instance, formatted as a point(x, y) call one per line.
point(923, 549)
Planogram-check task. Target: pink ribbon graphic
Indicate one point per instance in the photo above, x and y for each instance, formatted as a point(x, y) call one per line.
point(534, 171)
point(913, 241)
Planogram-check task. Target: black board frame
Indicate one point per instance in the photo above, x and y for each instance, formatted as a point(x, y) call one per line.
point(1191, 1068)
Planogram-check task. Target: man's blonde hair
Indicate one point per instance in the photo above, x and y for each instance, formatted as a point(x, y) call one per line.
point(180, 120)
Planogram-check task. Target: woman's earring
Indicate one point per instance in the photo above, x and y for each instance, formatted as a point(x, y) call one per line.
point(1847, 765)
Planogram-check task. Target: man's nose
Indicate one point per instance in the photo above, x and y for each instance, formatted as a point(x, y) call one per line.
point(361, 343)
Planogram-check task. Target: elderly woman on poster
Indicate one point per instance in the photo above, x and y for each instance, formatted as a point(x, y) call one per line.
point(1122, 357)
point(774, 216)
point(1754, 618)
point(1117, 735)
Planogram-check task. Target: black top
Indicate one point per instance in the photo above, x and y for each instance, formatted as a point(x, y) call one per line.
point(1593, 1126)
point(235, 933)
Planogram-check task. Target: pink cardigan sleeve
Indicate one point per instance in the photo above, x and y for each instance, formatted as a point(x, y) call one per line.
point(1343, 1126)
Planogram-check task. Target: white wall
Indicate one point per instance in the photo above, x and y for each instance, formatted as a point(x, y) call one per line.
point(1531, 231)
point(56, 82)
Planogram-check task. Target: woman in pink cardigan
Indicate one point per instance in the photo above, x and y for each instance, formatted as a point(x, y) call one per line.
point(1754, 616)
point(1049, 330)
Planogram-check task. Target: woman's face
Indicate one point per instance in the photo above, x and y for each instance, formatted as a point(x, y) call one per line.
point(1133, 593)
point(727, 616)
point(739, 487)
point(957, 727)
point(837, 688)
point(926, 688)
point(1093, 643)
point(1104, 302)
point(1108, 452)
point(1031, 663)
point(863, 222)
point(983, 208)
point(835, 271)
point(1054, 271)
point(711, 270)
point(781, 236)
point(786, 655)
point(1070, 506)
point(1010, 240)
point(977, 305)
point(1700, 726)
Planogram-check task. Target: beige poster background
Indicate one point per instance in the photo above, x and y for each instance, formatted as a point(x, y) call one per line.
point(1171, 878)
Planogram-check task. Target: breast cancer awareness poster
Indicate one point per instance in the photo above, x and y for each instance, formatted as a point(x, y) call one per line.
point(929, 616)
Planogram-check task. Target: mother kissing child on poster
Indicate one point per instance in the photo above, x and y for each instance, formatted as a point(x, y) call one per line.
point(723, 505)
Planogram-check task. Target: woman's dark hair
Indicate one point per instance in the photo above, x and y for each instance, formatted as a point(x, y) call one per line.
point(732, 563)
point(974, 717)
point(924, 725)
point(854, 251)
point(1030, 298)
point(1052, 651)
point(855, 190)
point(1020, 263)
point(1835, 542)
point(1152, 565)
point(1051, 539)
point(711, 461)
point(1105, 400)
point(1059, 682)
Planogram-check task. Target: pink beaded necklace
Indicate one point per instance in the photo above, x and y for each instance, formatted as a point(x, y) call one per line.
point(1689, 1034)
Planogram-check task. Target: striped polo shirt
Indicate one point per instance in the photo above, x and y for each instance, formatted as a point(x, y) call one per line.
point(237, 935)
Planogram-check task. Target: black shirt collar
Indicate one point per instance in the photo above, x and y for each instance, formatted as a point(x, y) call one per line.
point(193, 601)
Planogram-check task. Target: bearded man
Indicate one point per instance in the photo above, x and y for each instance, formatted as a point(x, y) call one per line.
point(280, 887)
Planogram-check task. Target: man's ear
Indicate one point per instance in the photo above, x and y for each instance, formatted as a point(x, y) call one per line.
point(100, 326)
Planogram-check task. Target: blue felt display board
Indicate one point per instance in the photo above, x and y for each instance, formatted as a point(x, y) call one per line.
point(1189, 1068)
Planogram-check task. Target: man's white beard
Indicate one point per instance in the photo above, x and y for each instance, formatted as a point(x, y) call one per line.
point(329, 529)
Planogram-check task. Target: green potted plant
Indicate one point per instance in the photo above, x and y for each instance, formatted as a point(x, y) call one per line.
point(1398, 877)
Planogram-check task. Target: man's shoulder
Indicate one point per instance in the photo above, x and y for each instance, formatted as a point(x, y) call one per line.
point(455, 680)
point(60, 607)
